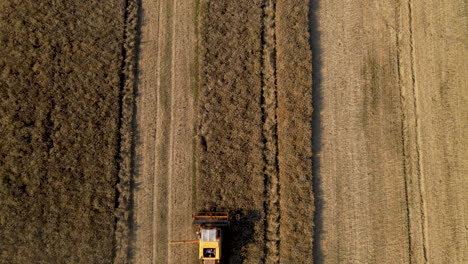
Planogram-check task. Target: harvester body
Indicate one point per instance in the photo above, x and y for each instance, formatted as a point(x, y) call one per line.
point(210, 235)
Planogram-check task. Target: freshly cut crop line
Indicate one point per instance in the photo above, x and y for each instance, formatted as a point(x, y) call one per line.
point(270, 134)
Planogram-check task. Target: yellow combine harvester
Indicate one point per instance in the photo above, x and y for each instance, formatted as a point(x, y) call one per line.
point(210, 232)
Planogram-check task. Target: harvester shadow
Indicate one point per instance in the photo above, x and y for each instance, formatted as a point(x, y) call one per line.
point(316, 125)
point(239, 235)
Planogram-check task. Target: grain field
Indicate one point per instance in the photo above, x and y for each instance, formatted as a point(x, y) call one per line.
point(330, 131)
point(65, 109)
point(255, 132)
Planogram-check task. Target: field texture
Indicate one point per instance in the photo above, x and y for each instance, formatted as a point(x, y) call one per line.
point(391, 160)
point(255, 133)
point(231, 157)
point(331, 131)
point(231, 82)
point(165, 128)
point(65, 91)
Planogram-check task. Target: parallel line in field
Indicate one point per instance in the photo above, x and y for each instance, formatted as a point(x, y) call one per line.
point(270, 134)
point(164, 123)
point(155, 180)
point(405, 141)
point(171, 134)
point(153, 187)
point(418, 143)
point(414, 178)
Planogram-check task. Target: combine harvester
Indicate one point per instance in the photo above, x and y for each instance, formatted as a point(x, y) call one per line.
point(210, 231)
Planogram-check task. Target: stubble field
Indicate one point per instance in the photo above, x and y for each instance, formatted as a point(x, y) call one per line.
point(333, 132)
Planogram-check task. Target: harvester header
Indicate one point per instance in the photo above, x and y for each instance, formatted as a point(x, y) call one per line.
point(211, 219)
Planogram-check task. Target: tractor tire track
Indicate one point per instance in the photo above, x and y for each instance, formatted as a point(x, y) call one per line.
point(436, 75)
point(414, 178)
point(417, 140)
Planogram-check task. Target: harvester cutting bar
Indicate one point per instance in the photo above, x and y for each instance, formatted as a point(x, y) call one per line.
point(211, 219)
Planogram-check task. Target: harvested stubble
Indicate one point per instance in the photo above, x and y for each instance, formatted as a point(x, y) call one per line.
point(60, 92)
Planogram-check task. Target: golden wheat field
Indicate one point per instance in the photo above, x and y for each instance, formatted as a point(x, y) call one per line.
point(330, 131)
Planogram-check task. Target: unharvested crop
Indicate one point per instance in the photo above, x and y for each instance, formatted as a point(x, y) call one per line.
point(230, 153)
point(255, 126)
point(64, 132)
point(294, 74)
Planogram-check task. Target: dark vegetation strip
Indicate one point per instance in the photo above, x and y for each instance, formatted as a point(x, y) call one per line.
point(315, 47)
point(133, 135)
point(59, 96)
point(294, 79)
point(123, 214)
point(270, 136)
point(231, 164)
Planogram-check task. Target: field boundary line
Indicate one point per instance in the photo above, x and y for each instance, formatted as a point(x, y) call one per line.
point(270, 133)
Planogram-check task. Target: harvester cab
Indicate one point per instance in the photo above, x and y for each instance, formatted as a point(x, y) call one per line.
point(210, 232)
